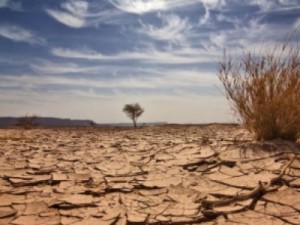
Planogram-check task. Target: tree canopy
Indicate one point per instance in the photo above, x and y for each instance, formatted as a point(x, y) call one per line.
point(133, 111)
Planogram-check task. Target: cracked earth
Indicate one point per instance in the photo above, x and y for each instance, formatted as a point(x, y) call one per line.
point(206, 175)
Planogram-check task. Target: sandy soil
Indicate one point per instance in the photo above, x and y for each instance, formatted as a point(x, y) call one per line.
point(155, 175)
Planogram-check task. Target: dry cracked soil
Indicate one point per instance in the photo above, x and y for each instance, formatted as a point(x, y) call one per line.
point(210, 175)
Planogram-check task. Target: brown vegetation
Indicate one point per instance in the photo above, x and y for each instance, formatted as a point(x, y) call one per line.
point(264, 90)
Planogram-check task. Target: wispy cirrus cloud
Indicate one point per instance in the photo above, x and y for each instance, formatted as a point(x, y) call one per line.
point(208, 6)
point(263, 4)
point(20, 34)
point(184, 55)
point(174, 29)
point(47, 67)
point(3, 3)
point(289, 2)
point(236, 43)
point(67, 18)
point(81, 13)
point(13, 5)
point(146, 6)
point(54, 68)
point(163, 78)
point(270, 5)
point(76, 7)
point(297, 24)
point(139, 6)
point(72, 13)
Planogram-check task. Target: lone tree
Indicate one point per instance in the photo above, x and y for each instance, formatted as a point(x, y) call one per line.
point(264, 90)
point(133, 111)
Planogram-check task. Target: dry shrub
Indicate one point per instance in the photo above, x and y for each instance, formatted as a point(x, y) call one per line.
point(264, 90)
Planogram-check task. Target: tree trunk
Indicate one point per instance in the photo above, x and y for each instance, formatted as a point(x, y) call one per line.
point(134, 123)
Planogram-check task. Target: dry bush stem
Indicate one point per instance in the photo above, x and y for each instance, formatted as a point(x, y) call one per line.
point(265, 91)
point(255, 193)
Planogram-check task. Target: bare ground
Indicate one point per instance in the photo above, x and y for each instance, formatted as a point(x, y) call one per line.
point(153, 175)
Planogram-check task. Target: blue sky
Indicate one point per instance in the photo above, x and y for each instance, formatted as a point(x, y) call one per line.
point(86, 59)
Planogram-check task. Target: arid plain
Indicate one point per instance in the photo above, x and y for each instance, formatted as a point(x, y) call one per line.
point(180, 174)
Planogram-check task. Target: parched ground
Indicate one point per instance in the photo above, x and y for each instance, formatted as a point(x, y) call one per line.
point(153, 175)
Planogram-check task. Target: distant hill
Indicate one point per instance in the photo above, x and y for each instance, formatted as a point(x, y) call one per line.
point(47, 122)
point(59, 122)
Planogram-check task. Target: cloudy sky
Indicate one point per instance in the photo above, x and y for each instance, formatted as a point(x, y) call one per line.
point(86, 59)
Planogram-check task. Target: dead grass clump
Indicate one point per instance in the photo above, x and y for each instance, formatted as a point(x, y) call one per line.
point(264, 90)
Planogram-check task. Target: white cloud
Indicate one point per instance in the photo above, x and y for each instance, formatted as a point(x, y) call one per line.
point(46, 67)
point(79, 13)
point(162, 78)
point(184, 55)
point(73, 13)
point(139, 6)
point(208, 6)
point(80, 54)
point(263, 4)
point(234, 20)
point(52, 68)
point(271, 5)
point(13, 5)
point(206, 16)
point(219, 40)
point(145, 6)
point(289, 2)
point(297, 24)
point(19, 34)
point(3, 3)
point(67, 18)
point(76, 7)
point(248, 37)
point(174, 29)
